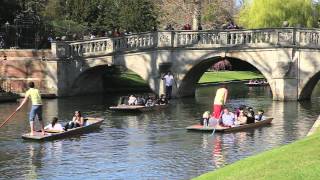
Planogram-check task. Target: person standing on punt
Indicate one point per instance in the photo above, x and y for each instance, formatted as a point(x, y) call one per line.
point(168, 80)
point(219, 101)
point(36, 108)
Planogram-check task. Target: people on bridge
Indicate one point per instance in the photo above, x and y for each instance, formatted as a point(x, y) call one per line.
point(77, 121)
point(54, 125)
point(168, 80)
point(36, 108)
point(219, 101)
point(227, 118)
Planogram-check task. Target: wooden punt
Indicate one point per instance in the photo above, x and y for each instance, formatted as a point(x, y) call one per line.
point(199, 127)
point(92, 124)
point(127, 108)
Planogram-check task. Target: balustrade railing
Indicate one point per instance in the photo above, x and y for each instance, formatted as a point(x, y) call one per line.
point(302, 38)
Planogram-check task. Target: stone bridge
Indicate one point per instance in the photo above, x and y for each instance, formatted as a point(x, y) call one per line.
point(289, 58)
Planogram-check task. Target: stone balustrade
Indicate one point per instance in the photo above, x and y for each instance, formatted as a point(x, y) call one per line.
point(280, 37)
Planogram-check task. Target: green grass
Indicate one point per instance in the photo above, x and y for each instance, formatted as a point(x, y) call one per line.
point(298, 160)
point(221, 76)
point(132, 79)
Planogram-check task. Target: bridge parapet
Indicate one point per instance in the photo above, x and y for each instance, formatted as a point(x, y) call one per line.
point(268, 38)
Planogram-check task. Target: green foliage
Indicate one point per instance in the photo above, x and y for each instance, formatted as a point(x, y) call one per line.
point(77, 16)
point(272, 13)
point(216, 13)
point(295, 161)
point(67, 27)
point(222, 76)
point(8, 8)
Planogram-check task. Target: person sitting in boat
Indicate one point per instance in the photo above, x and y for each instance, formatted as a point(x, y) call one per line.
point(228, 118)
point(205, 119)
point(242, 118)
point(77, 121)
point(237, 110)
point(260, 116)
point(54, 125)
point(149, 102)
point(250, 115)
point(132, 100)
point(163, 100)
point(140, 101)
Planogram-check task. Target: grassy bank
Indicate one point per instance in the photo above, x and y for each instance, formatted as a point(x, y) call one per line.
point(299, 160)
point(221, 76)
point(125, 81)
point(131, 80)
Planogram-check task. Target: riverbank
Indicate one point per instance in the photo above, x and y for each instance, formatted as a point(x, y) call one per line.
point(130, 80)
point(124, 81)
point(223, 76)
point(298, 160)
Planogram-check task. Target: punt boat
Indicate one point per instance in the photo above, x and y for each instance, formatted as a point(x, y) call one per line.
point(257, 84)
point(199, 127)
point(91, 124)
point(137, 108)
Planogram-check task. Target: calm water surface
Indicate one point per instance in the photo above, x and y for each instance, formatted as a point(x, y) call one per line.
point(153, 145)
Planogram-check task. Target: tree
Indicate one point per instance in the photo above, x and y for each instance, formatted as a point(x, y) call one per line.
point(214, 12)
point(272, 13)
point(8, 9)
point(219, 12)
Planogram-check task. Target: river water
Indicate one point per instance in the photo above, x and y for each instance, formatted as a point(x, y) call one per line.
point(152, 145)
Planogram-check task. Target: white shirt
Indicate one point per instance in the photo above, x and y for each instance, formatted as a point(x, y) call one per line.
point(57, 127)
point(168, 79)
point(132, 100)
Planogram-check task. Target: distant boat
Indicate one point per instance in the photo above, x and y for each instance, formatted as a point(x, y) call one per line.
point(199, 127)
point(92, 124)
point(137, 108)
point(257, 83)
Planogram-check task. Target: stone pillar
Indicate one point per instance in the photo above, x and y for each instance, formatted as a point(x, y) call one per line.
point(196, 14)
point(60, 49)
point(165, 39)
point(285, 89)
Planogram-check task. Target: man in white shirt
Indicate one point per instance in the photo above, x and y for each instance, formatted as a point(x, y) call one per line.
point(168, 80)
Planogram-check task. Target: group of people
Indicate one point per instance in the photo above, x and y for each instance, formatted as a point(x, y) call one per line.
point(77, 121)
point(36, 112)
point(149, 101)
point(224, 117)
point(258, 81)
point(36, 109)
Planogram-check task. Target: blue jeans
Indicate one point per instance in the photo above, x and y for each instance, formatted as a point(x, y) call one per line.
point(168, 92)
point(36, 110)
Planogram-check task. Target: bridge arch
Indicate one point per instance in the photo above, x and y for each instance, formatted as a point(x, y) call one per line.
point(188, 82)
point(93, 80)
point(308, 86)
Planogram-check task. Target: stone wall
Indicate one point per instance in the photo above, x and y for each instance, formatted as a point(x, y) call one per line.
point(18, 67)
